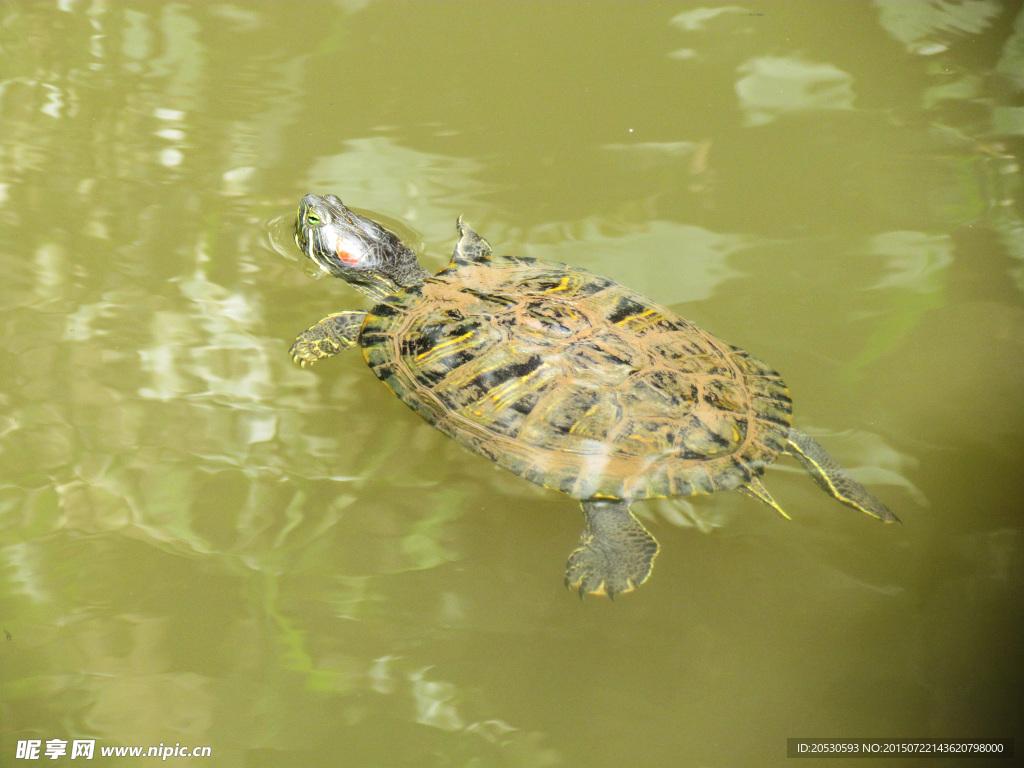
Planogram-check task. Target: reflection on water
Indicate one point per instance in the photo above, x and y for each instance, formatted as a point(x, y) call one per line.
point(202, 543)
point(772, 86)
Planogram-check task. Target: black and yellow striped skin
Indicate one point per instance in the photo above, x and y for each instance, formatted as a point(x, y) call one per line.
point(575, 382)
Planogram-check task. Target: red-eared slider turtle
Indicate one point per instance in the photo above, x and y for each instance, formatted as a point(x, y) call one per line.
point(565, 378)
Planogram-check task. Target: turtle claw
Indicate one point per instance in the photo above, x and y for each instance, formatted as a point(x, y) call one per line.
point(577, 588)
point(591, 583)
point(307, 349)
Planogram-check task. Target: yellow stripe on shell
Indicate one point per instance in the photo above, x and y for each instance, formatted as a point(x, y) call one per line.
point(439, 350)
point(513, 386)
point(590, 410)
point(645, 314)
point(563, 285)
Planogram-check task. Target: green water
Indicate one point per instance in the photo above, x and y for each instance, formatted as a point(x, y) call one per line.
point(202, 544)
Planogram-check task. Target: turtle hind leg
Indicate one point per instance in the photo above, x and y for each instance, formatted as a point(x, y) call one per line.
point(834, 479)
point(615, 554)
point(328, 337)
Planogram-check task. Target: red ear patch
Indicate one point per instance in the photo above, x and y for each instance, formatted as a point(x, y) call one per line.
point(347, 257)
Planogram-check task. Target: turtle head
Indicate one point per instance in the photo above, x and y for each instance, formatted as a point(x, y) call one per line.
point(357, 249)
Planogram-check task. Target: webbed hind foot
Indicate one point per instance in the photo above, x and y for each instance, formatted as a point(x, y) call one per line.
point(616, 552)
point(833, 479)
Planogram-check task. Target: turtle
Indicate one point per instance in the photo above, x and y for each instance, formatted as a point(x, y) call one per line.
point(564, 377)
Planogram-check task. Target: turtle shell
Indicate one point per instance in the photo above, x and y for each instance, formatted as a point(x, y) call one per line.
point(575, 382)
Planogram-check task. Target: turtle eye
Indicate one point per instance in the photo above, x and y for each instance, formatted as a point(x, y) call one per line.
point(312, 218)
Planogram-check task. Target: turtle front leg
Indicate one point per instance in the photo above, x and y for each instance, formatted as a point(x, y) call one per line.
point(328, 337)
point(615, 554)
